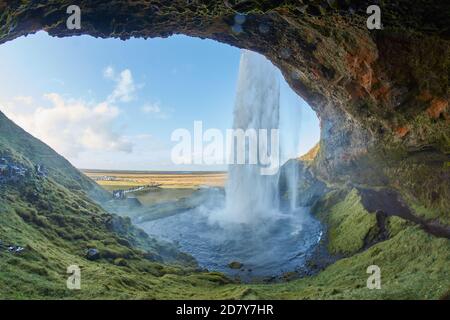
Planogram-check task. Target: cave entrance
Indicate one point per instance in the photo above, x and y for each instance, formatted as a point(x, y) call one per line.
point(110, 108)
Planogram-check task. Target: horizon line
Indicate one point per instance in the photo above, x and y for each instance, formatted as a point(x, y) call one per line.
point(152, 171)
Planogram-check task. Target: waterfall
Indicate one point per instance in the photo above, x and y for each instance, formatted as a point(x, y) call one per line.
point(249, 194)
point(292, 182)
point(246, 224)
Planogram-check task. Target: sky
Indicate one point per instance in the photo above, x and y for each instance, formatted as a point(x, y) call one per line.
point(113, 104)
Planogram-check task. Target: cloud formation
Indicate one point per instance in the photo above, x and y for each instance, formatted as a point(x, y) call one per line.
point(125, 87)
point(72, 126)
point(155, 110)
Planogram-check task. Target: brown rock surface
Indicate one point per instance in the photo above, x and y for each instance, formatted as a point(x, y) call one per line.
point(365, 85)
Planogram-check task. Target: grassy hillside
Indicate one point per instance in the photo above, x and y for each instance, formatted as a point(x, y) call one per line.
point(413, 264)
point(55, 222)
point(18, 144)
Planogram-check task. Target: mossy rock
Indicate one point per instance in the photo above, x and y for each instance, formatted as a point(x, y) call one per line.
point(349, 224)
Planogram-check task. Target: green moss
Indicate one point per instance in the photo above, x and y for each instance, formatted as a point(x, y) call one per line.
point(414, 265)
point(395, 225)
point(437, 132)
point(349, 224)
point(430, 213)
point(56, 223)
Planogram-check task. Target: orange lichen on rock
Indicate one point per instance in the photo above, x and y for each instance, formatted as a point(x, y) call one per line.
point(382, 93)
point(359, 66)
point(354, 90)
point(366, 79)
point(401, 131)
point(311, 154)
point(437, 107)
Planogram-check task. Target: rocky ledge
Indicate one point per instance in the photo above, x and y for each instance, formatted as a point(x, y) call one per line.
point(381, 95)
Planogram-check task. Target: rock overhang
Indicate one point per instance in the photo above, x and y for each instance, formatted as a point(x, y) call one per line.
point(377, 92)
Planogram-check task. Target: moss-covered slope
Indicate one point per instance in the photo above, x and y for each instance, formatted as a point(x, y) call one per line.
point(413, 264)
point(49, 215)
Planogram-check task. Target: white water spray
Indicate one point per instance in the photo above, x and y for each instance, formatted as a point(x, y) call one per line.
point(292, 178)
point(250, 195)
point(250, 227)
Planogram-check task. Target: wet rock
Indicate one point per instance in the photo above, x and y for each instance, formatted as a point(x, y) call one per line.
point(41, 170)
point(92, 254)
point(235, 265)
point(15, 249)
point(288, 276)
point(264, 28)
point(364, 85)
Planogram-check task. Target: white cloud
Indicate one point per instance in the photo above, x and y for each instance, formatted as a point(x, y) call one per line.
point(148, 153)
point(88, 133)
point(155, 110)
point(108, 73)
point(151, 108)
point(125, 87)
point(70, 126)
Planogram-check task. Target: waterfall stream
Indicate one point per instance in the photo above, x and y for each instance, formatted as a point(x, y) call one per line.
point(245, 223)
point(249, 193)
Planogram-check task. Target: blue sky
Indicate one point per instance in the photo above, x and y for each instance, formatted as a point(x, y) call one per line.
point(112, 104)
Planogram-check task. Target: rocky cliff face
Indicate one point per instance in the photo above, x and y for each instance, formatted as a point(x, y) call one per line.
point(382, 95)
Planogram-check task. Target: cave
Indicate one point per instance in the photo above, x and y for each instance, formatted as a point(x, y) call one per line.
point(381, 95)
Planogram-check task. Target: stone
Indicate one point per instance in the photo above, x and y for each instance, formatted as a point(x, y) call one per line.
point(235, 265)
point(92, 254)
point(364, 85)
point(240, 18)
point(263, 28)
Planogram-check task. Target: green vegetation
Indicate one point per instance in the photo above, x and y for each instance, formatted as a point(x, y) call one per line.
point(56, 222)
point(349, 224)
point(29, 151)
point(414, 265)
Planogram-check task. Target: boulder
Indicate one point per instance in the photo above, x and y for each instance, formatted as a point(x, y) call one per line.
point(92, 254)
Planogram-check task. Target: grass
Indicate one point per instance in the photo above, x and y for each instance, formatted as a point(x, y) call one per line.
point(163, 195)
point(57, 238)
point(56, 222)
point(414, 265)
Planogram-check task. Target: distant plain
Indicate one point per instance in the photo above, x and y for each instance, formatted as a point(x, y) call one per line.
point(171, 185)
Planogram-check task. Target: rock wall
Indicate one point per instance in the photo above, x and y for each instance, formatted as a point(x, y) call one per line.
point(382, 95)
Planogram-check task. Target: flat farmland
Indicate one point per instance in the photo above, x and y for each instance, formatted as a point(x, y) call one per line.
point(112, 180)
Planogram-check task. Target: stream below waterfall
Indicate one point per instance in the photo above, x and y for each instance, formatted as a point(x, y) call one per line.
point(266, 248)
